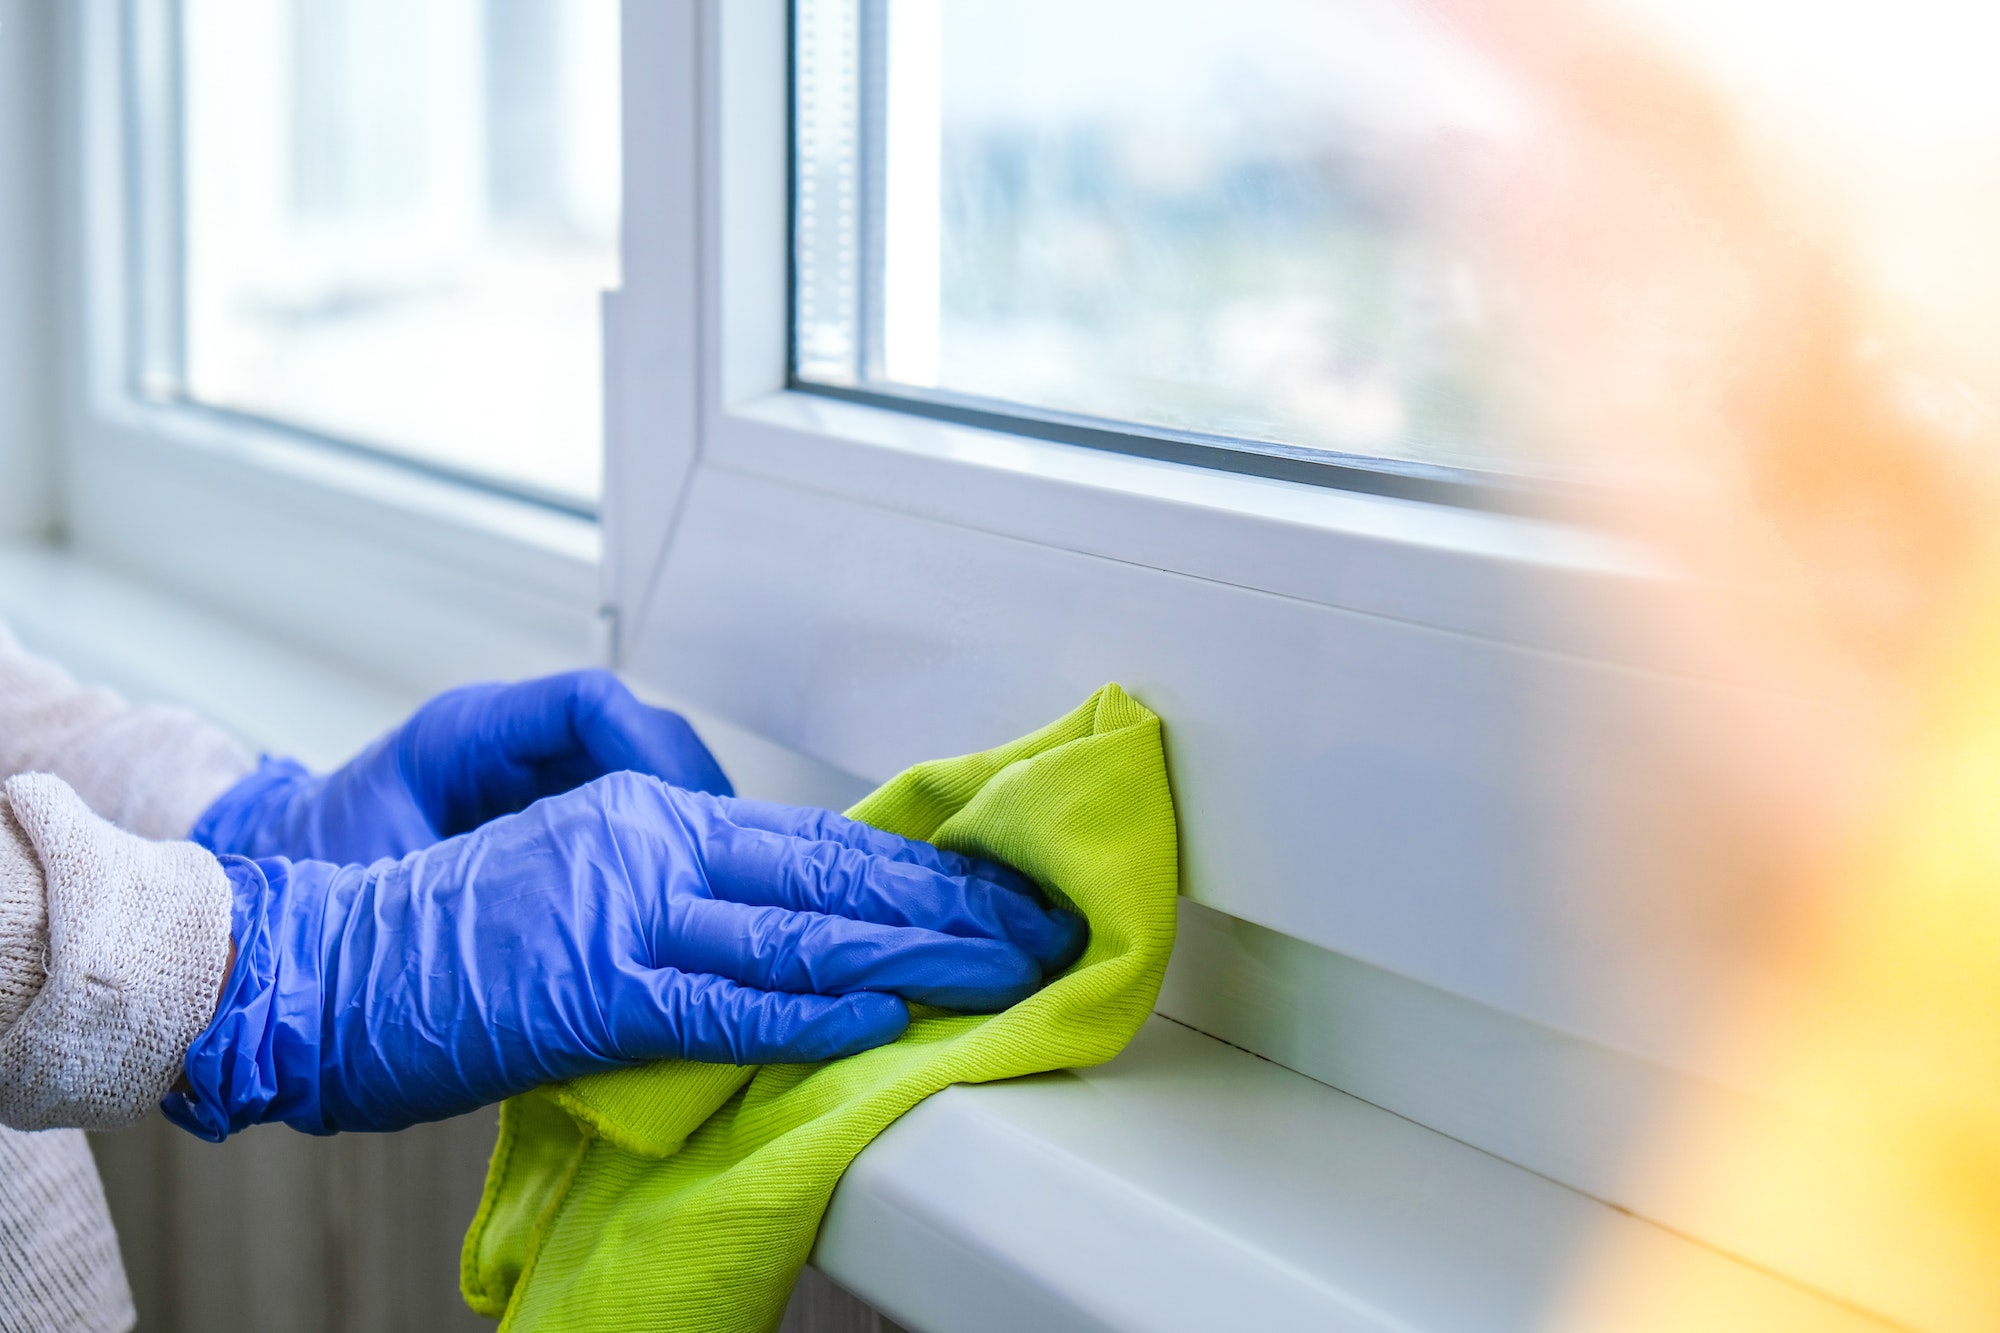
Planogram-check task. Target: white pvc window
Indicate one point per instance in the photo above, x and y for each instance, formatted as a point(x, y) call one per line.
point(384, 223)
point(1234, 224)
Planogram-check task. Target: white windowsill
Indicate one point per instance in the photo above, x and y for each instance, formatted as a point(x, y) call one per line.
point(1190, 1186)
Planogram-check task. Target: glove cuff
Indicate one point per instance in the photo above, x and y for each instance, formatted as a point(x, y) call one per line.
point(259, 1060)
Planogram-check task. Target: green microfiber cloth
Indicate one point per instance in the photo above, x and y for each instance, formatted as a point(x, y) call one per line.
point(687, 1196)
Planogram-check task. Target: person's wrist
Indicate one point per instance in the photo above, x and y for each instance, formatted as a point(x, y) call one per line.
point(258, 1058)
point(221, 989)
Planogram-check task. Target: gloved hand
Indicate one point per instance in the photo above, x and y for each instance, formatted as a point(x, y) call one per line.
point(467, 756)
point(623, 921)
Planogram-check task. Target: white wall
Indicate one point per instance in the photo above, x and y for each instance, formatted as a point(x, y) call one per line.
point(27, 364)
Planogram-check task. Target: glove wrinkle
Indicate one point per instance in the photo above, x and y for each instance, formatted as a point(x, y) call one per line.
point(543, 946)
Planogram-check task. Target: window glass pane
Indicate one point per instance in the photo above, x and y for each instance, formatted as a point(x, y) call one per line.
point(1228, 219)
point(397, 217)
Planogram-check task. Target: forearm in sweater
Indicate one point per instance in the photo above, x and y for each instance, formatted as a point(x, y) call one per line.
point(111, 953)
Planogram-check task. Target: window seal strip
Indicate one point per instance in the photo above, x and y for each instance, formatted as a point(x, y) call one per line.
point(1368, 474)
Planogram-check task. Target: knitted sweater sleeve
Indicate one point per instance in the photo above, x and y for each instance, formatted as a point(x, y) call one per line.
point(111, 953)
point(112, 950)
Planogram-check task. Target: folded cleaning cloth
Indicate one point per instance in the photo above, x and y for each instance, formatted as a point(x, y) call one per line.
point(687, 1196)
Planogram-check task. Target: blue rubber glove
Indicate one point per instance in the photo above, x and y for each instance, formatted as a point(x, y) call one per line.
point(623, 921)
point(467, 756)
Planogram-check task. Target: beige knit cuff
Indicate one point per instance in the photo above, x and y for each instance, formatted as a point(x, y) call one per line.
point(137, 940)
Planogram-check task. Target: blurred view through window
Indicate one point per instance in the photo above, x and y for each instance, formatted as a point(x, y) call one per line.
point(395, 219)
point(1224, 219)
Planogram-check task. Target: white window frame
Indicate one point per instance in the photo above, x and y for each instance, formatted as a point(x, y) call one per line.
point(727, 182)
point(409, 576)
point(705, 436)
